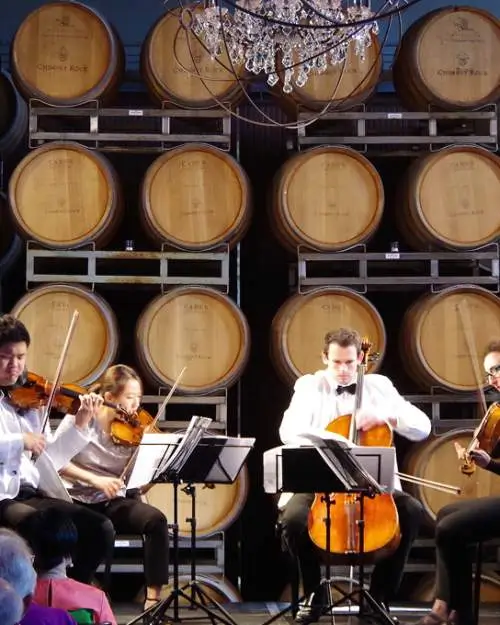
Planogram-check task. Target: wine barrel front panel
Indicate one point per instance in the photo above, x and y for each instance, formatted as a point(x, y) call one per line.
point(47, 312)
point(450, 59)
point(434, 345)
point(65, 54)
point(300, 325)
point(196, 327)
point(196, 197)
point(64, 195)
point(327, 198)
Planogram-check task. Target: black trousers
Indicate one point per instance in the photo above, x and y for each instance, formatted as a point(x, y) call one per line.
point(459, 527)
point(132, 516)
point(95, 531)
point(387, 574)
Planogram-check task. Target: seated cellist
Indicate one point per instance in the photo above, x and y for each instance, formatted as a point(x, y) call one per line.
point(318, 399)
point(465, 523)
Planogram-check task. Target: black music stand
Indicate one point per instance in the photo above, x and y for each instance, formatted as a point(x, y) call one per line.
point(214, 460)
point(331, 468)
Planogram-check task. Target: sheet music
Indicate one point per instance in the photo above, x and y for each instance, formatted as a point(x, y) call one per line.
point(161, 452)
point(173, 463)
point(50, 480)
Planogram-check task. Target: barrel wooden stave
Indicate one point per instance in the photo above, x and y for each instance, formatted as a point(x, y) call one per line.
point(433, 344)
point(177, 68)
point(450, 59)
point(327, 198)
point(218, 506)
point(47, 311)
point(64, 195)
point(341, 86)
point(448, 199)
point(299, 327)
point(196, 197)
point(65, 53)
point(436, 459)
point(197, 327)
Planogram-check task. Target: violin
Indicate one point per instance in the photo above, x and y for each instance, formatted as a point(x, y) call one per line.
point(35, 391)
point(381, 533)
point(126, 428)
point(485, 437)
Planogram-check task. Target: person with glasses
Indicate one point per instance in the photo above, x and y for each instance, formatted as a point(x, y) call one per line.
point(460, 526)
point(317, 400)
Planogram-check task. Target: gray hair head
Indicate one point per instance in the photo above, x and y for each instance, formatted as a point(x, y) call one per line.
point(16, 563)
point(11, 604)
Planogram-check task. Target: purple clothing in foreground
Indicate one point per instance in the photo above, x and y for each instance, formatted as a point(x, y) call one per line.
point(40, 615)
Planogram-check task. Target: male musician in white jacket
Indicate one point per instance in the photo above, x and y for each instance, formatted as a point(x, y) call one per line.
point(318, 399)
point(21, 438)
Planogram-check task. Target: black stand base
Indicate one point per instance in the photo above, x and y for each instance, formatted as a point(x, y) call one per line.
point(195, 597)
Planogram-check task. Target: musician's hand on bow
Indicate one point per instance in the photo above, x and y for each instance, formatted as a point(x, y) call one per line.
point(90, 405)
point(34, 442)
point(480, 457)
point(366, 420)
point(110, 486)
point(462, 451)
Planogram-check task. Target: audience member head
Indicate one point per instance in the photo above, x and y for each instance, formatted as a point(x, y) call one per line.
point(56, 539)
point(16, 564)
point(11, 604)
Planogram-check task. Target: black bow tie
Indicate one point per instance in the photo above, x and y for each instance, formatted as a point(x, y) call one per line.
point(350, 388)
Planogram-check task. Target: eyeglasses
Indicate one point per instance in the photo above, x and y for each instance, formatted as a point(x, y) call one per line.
point(494, 371)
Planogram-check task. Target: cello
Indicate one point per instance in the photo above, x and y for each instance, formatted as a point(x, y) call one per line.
point(381, 521)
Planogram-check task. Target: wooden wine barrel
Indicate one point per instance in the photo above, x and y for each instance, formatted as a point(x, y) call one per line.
point(424, 590)
point(218, 588)
point(328, 198)
point(47, 311)
point(449, 199)
point(433, 344)
point(177, 68)
point(65, 53)
point(436, 460)
point(217, 505)
point(11, 245)
point(13, 117)
point(196, 197)
point(197, 327)
point(449, 59)
point(299, 327)
point(64, 195)
point(340, 86)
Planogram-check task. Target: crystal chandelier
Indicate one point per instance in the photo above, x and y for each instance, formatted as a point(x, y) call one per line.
point(285, 39)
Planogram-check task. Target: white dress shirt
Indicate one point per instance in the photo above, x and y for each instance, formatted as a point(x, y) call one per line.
point(315, 403)
point(16, 466)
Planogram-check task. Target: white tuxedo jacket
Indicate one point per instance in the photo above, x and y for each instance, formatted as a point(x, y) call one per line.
point(315, 403)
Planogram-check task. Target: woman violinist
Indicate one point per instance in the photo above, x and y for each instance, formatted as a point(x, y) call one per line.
point(463, 524)
point(95, 478)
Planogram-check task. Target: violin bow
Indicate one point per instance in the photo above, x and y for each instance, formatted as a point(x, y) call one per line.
point(159, 414)
point(464, 314)
point(60, 365)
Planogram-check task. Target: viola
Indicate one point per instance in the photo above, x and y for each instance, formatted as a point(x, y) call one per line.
point(485, 437)
point(381, 531)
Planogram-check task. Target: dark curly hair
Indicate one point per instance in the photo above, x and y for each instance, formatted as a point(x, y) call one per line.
point(13, 331)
